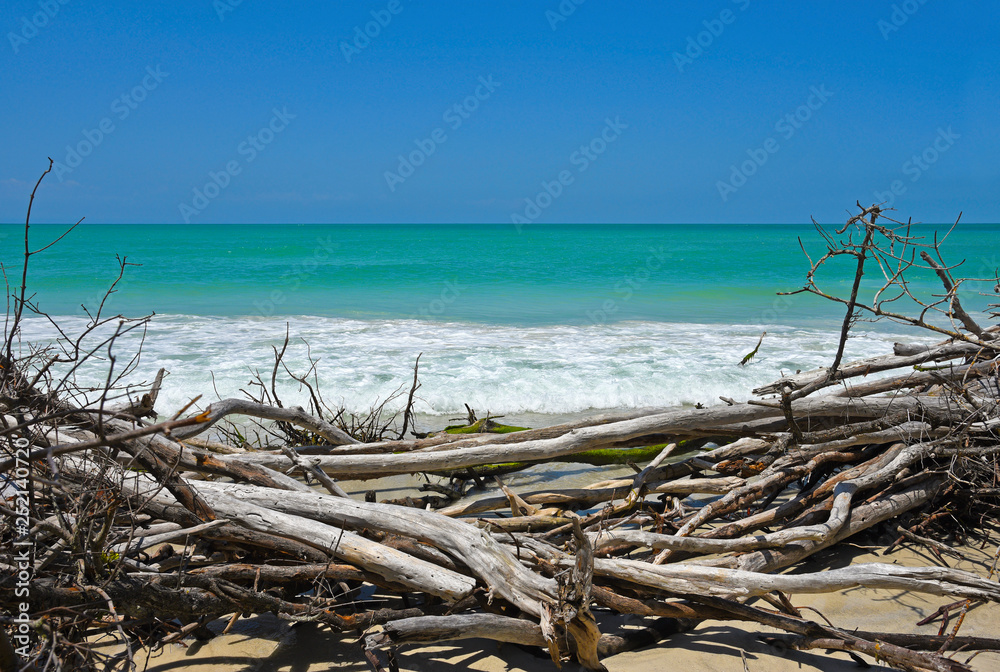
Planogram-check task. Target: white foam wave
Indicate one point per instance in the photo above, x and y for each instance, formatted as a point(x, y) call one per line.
point(503, 369)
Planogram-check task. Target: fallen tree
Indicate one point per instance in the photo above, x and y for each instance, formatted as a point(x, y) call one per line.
point(149, 529)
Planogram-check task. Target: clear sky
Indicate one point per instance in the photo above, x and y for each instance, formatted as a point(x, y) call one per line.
point(461, 111)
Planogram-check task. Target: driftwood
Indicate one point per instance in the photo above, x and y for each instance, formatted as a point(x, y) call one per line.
point(590, 438)
point(147, 529)
point(297, 416)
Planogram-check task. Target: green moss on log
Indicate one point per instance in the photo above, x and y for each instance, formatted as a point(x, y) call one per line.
point(478, 428)
point(598, 458)
point(606, 456)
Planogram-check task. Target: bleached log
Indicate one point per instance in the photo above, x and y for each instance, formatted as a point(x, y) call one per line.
point(157, 528)
point(436, 629)
point(909, 640)
point(140, 543)
point(392, 565)
point(294, 415)
point(838, 516)
point(181, 456)
point(913, 379)
point(864, 367)
point(589, 438)
point(213, 446)
point(280, 573)
point(860, 518)
point(583, 497)
point(534, 523)
point(308, 469)
point(445, 441)
point(684, 578)
point(609, 538)
point(640, 479)
point(143, 407)
point(489, 561)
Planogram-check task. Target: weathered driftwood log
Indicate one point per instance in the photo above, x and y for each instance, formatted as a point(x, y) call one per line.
point(436, 629)
point(683, 578)
point(948, 372)
point(938, 643)
point(143, 407)
point(280, 573)
point(295, 415)
point(838, 516)
point(446, 441)
point(392, 565)
point(310, 470)
point(147, 541)
point(490, 562)
point(586, 497)
point(139, 442)
point(838, 639)
point(589, 438)
point(820, 378)
point(49, 450)
point(861, 518)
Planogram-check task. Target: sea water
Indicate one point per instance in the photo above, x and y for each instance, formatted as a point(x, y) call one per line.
point(546, 319)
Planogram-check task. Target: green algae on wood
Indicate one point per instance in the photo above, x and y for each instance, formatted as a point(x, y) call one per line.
point(478, 428)
point(598, 458)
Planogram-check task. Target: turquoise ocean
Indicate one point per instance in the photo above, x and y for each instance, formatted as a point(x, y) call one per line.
point(550, 319)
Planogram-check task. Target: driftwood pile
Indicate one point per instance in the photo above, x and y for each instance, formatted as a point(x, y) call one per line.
point(737, 492)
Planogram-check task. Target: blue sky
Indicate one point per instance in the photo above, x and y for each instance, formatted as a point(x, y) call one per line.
point(723, 111)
